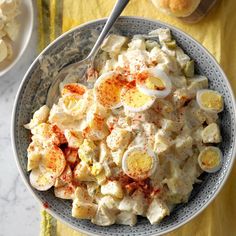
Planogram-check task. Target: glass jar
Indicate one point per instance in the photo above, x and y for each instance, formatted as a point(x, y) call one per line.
point(203, 8)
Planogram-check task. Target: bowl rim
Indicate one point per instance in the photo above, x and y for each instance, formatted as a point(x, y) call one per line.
point(101, 20)
point(23, 49)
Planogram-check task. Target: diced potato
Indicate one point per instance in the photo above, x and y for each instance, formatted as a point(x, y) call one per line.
point(211, 134)
point(83, 210)
point(117, 156)
point(59, 117)
point(65, 178)
point(103, 217)
point(197, 116)
point(137, 43)
point(135, 204)
point(157, 211)
point(82, 195)
point(126, 218)
point(179, 189)
point(101, 178)
point(82, 172)
point(170, 125)
point(92, 188)
point(150, 131)
point(113, 43)
point(178, 81)
point(163, 60)
point(180, 97)
point(74, 138)
point(211, 117)
point(183, 146)
point(110, 203)
point(124, 122)
point(88, 151)
point(103, 152)
point(118, 138)
point(44, 134)
point(126, 204)
point(112, 188)
point(162, 143)
point(40, 116)
point(107, 169)
point(191, 168)
point(181, 57)
point(65, 192)
point(139, 203)
point(163, 34)
point(197, 83)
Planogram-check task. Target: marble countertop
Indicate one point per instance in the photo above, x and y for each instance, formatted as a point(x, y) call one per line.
point(19, 211)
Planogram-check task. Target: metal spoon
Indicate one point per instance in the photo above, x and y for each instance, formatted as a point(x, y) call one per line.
point(88, 62)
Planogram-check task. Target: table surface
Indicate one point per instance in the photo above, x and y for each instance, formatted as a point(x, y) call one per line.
point(19, 211)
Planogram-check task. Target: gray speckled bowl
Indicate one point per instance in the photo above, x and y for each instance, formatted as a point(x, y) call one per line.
point(32, 94)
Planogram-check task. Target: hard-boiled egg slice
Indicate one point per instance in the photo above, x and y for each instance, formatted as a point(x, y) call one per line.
point(73, 88)
point(73, 104)
point(53, 161)
point(210, 159)
point(139, 163)
point(108, 88)
point(41, 180)
point(210, 100)
point(154, 82)
point(134, 100)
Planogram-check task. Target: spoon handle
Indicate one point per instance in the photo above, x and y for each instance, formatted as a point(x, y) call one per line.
point(116, 11)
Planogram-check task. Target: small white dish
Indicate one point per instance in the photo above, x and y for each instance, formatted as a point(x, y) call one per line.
point(26, 20)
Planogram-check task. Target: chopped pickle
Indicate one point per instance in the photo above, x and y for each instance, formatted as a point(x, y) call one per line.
point(189, 69)
point(171, 44)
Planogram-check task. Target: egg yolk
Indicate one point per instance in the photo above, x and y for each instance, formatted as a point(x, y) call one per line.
point(212, 100)
point(72, 103)
point(139, 163)
point(155, 83)
point(134, 98)
point(210, 159)
point(108, 92)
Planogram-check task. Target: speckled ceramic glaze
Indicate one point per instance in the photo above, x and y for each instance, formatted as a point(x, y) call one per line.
point(74, 45)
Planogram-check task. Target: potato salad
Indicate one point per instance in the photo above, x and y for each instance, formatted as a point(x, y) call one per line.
point(134, 143)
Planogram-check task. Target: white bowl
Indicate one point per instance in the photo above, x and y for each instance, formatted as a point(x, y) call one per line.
point(75, 45)
point(26, 20)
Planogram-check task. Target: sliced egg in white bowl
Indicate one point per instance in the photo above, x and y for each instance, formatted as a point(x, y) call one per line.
point(108, 88)
point(42, 181)
point(139, 162)
point(210, 100)
point(210, 159)
point(134, 100)
point(154, 82)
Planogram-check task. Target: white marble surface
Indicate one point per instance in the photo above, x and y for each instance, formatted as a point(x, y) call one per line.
point(19, 211)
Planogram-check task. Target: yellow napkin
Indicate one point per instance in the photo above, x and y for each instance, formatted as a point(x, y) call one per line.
point(217, 32)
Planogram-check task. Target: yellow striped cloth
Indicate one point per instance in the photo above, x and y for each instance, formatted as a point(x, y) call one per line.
point(217, 32)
